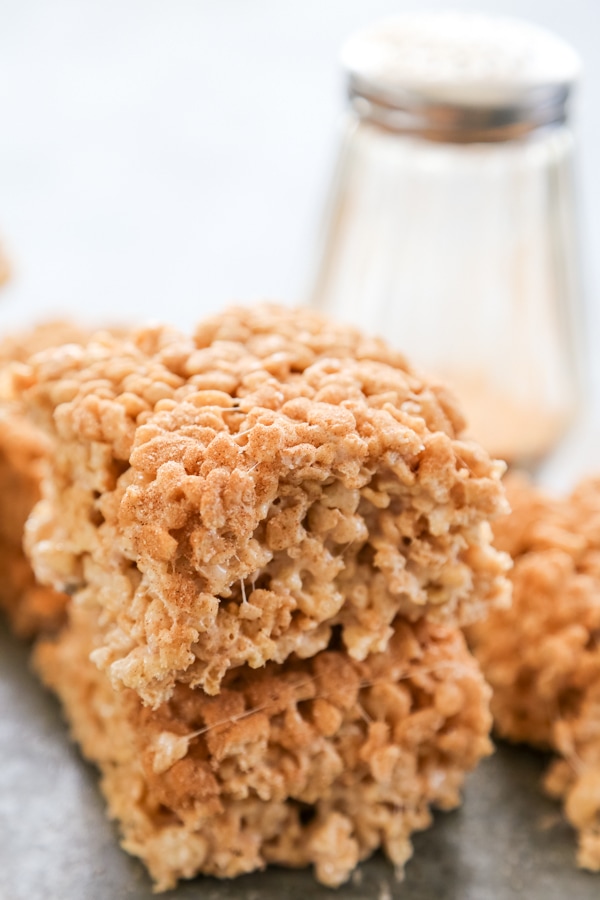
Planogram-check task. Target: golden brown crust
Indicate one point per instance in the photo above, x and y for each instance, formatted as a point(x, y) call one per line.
point(542, 656)
point(231, 498)
point(311, 762)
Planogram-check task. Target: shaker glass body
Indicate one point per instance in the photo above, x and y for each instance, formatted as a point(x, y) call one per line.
point(463, 255)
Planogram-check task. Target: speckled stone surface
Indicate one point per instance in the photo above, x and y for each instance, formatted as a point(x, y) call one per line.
point(508, 841)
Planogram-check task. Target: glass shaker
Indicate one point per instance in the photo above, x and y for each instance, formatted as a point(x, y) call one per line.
point(450, 228)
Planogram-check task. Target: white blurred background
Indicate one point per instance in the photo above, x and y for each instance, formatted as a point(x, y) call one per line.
point(159, 158)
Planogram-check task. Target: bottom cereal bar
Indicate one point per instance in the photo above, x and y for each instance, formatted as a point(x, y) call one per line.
point(312, 762)
point(542, 656)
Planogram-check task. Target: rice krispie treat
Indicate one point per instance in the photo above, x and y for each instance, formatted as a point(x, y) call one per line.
point(312, 762)
point(542, 656)
point(30, 607)
point(229, 498)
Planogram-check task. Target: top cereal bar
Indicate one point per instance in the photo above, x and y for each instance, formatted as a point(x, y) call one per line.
point(233, 497)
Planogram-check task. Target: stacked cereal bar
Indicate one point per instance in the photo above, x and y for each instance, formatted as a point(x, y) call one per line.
point(271, 533)
point(542, 656)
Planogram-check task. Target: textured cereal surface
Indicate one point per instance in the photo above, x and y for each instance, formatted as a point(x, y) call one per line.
point(229, 498)
point(312, 762)
point(542, 656)
point(23, 448)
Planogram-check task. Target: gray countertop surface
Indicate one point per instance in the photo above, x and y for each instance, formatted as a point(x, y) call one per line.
point(507, 840)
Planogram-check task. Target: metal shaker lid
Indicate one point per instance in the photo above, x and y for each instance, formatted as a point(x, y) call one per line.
point(460, 76)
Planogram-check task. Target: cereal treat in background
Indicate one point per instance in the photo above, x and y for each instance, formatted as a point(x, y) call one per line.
point(29, 606)
point(542, 655)
point(230, 498)
point(311, 762)
point(5, 266)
